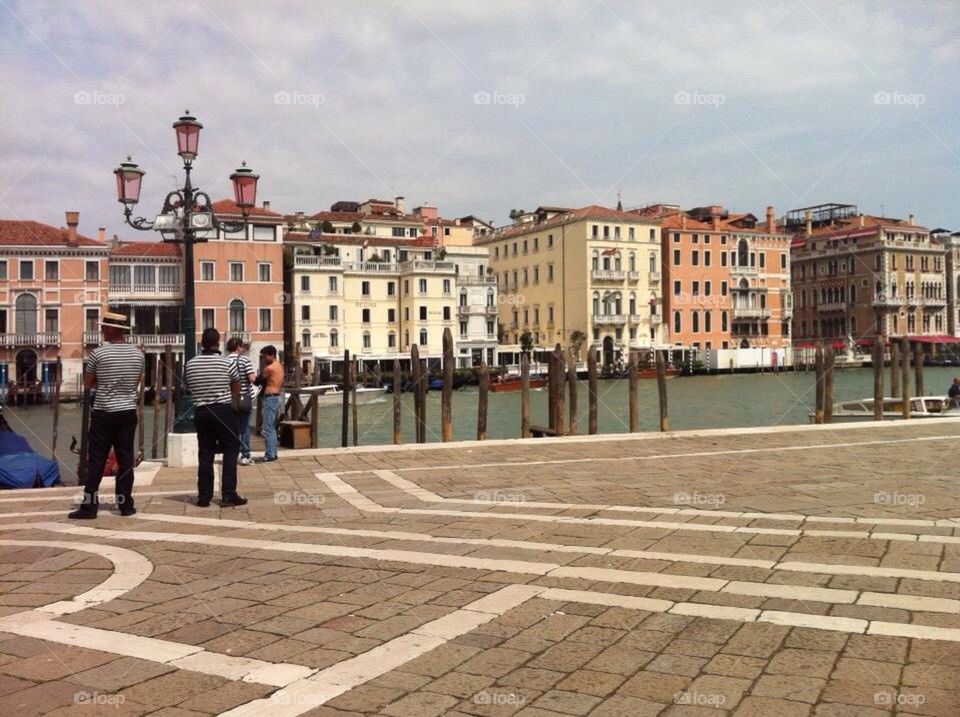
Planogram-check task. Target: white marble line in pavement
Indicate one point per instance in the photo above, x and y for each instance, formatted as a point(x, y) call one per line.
point(539, 547)
point(362, 502)
point(428, 496)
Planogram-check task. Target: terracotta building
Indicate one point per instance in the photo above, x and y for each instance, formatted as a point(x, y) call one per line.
point(726, 289)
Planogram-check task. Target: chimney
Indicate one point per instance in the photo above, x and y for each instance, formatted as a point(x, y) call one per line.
point(771, 220)
point(862, 221)
point(683, 221)
point(102, 234)
point(715, 216)
point(809, 218)
point(910, 219)
point(266, 204)
point(300, 215)
point(73, 219)
point(399, 204)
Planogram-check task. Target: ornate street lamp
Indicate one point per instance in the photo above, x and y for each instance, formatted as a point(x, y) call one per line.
point(185, 212)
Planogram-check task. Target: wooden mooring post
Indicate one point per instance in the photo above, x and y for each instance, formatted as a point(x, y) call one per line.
point(905, 375)
point(446, 397)
point(419, 419)
point(155, 404)
point(483, 381)
point(558, 370)
point(141, 406)
point(56, 411)
point(345, 408)
point(354, 371)
point(818, 385)
point(397, 405)
point(525, 395)
point(572, 399)
point(662, 390)
point(84, 437)
point(828, 366)
point(918, 368)
point(878, 378)
point(632, 392)
point(894, 368)
point(592, 391)
point(169, 404)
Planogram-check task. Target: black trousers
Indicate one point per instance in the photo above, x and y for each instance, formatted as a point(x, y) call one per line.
point(116, 430)
point(217, 433)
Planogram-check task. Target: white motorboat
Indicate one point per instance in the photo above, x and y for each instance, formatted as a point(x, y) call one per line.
point(331, 394)
point(920, 407)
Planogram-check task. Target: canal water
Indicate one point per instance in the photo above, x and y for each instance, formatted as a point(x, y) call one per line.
point(710, 401)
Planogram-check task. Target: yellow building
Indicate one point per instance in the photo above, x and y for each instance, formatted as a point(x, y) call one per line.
point(593, 270)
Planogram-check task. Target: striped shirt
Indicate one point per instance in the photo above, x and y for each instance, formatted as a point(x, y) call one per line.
point(118, 368)
point(244, 368)
point(208, 376)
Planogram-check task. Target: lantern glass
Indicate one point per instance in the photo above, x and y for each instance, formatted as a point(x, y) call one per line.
point(188, 136)
point(129, 178)
point(245, 186)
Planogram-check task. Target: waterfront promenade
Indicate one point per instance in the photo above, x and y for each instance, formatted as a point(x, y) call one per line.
point(790, 571)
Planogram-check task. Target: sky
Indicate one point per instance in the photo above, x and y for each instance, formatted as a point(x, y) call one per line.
point(483, 107)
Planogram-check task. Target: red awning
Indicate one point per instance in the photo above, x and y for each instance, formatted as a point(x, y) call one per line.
point(939, 339)
point(864, 342)
point(838, 344)
point(804, 345)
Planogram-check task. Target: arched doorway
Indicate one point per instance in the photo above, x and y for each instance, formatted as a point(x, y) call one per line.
point(26, 367)
point(744, 344)
point(608, 354)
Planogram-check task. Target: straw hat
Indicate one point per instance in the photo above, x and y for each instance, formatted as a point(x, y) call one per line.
point(116, 321)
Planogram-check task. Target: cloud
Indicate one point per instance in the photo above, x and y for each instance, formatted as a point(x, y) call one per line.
point(383, 100)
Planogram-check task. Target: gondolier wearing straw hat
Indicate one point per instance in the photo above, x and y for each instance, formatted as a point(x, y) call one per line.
point(114, 370)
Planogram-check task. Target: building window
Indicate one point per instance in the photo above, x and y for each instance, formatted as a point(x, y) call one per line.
point(446, 286)
point(334, 313)
point(446, 313)
point(696, 288)
point(707, 288)
point(51, 270)
point(365, 288)
point(305, 339)
point(549, 241)
point(264, 271)
point(365, 316)
point(423, 337)
point(676, 257)
point(92, 320)
point(423, 313)
point(207, 318)
point(723, 258)
point(92, 271)
point(490, 328)
point(763, 260)
point(206, 271)
point(305, 312)
point(695, 258)
point(676, 322)
point(236, 272)
point(334, 339)
point(237, 322)
point(366, 339)
point(391, 316)
point(783, 261)
point(391, 288)
point(723, 288)
point(51, 321)
point(549, 272)
point(706, 257)
point(305, 284)
point(707, 321)
point(391, 340)
point(266, 320)
point(422, 284)
point(463, 329)
point(26, 270)
point(677, 288)
point(263, 233)
point(3, 269)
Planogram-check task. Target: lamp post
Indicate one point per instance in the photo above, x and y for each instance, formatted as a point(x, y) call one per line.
point(185, 212)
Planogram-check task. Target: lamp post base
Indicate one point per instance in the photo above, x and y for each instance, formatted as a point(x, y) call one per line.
point(182, 450)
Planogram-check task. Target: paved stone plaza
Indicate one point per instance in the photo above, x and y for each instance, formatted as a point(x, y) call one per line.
point(790, 572)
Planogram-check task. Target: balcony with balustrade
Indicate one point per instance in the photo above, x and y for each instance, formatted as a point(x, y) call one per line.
point(607, 275)
point(609, 319)
point(423, 266)
point(307, 261)
point(156, 340)
point(750, 312)
point(30, 339)
point(120, 293)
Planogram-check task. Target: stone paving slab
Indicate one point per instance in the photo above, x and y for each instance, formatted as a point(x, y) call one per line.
point(788, 572)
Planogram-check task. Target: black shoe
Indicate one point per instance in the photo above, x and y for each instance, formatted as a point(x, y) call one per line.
point(203, 502)
point(127, 511)
point(233, 502)
point(82, 514)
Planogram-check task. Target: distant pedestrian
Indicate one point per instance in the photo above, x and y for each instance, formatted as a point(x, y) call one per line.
point(271, 380)
point(237, 351)
point(214, 382)
point(954, 392)
point(114, 370)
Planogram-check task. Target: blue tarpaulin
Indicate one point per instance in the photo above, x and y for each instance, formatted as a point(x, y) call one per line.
point(20, 467)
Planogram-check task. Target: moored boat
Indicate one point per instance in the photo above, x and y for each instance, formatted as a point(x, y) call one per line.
point(331, 394)
point(920, 407)
point(514, 383)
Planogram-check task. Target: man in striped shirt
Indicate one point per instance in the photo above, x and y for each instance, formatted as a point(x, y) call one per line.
point(114, 369)
point(214, 381)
